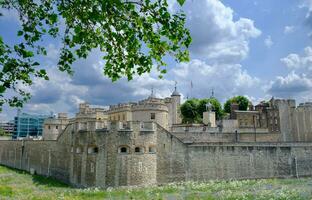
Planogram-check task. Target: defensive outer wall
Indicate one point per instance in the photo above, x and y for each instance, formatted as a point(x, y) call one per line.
point(149, 154)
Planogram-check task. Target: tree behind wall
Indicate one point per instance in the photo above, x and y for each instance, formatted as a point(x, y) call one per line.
point(216, 107)
point(192, 110)
point(189, 111)
point(242, 102)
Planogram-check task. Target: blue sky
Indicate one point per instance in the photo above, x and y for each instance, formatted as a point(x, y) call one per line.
point(256, 48)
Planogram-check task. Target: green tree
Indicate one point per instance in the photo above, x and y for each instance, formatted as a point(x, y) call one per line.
point(192, 110)
point(189, 111)
point(133, 35)
point(2, 132)
point(242, 102)
point(216, 107)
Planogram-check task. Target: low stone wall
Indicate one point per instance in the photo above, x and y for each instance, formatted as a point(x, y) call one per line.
point(43, 157)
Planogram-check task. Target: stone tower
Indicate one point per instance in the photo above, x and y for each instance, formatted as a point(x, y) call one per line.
point(176, 102)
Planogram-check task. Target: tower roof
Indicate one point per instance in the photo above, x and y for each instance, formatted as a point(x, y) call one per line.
point(175, 92)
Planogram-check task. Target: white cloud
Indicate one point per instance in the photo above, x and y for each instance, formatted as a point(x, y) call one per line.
point(289, 29)
point(226, 80)
point(296, 61)
point(217, 37)
point(291, 85)
point(306, 4)
point(52, 52)
point(268, 42)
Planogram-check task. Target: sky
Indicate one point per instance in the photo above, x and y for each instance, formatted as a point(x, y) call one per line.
point(256, 48)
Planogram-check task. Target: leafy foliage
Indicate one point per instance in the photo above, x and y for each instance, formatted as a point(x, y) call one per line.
point(133, 35)
point(192, 110)
point(217, 107)
point(242, 102)
point(189, 111)
point(2, 133)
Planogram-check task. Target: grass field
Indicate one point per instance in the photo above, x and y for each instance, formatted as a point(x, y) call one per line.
point(16, 184)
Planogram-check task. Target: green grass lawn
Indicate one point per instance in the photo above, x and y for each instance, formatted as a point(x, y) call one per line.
point(16, 184)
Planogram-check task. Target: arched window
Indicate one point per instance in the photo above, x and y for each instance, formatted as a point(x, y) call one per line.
point(139, 150)
point(123, 149)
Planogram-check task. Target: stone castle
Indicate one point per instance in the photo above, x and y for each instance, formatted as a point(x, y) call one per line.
point(143, 143)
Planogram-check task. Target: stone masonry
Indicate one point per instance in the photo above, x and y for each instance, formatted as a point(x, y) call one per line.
point(151, 155)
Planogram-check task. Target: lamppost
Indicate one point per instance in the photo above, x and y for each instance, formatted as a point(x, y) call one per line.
point(254, 123)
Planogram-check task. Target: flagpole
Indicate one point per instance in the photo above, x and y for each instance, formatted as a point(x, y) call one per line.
point(191, 93)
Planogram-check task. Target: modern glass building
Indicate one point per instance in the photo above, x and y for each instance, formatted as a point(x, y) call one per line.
point(26, 125)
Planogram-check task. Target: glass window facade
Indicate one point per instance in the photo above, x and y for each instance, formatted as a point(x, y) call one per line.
point(29, 125)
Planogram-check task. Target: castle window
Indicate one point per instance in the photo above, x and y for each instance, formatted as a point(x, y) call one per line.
point(138, 150)
point(49, 127)
point(123, 150)
point(152, 149)
point(56, 127)
point(118, 117)
point(153, 115)
point(124, 117)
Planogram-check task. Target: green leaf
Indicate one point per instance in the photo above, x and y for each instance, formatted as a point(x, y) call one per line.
point(19, 33)
point(181, 2)
point(2, 89)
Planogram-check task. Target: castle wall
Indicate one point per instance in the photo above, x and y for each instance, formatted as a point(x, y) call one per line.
point(110, 167)
point(161, 116)
point(302, 117)
point(206, 137)
point(171, 158)
point(239, 161)
point(98, 157)
point(44, 157)
point(286, 109)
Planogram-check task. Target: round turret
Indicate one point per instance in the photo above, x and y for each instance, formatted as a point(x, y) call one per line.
point(151, 109)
